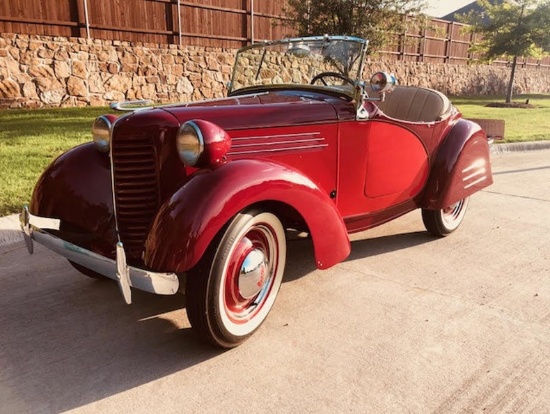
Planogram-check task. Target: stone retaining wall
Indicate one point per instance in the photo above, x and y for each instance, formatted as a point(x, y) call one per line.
point(38, 71)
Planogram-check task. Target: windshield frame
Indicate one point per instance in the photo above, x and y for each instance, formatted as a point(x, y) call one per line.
point(356, 65)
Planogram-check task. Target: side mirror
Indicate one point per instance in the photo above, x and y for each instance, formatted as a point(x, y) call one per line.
point(382, 82)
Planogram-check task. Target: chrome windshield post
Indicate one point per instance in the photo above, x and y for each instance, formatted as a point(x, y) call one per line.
point(361, 97)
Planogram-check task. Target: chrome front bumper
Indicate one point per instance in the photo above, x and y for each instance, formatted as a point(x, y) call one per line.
point(127, 276)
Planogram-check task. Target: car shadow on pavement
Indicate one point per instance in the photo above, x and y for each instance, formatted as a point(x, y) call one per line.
point(67, 340)
point(301, 259)
point(371, 247)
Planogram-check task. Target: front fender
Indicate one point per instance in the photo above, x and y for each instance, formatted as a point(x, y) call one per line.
point(189, 221)
point(461, 167)
point(76, 188)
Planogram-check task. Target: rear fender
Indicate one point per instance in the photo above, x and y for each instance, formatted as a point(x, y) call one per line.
point(461, 167)
point(189, 221)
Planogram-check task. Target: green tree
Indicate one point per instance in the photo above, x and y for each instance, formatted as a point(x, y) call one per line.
point(375, 20)
point(511, 28)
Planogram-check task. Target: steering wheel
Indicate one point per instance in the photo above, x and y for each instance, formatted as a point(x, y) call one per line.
point(322, 75)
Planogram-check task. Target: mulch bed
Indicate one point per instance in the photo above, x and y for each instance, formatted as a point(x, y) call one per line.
point(510, 105)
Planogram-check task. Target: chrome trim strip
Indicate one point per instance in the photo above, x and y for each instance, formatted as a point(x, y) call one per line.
point(301, 134)
point(261, 144)
point(136, 105)
point(148, 281)
point(301, 148)
point(475, 182)
point(478, 172)
point(477, 164)
point(111, 162)
point(304, 39)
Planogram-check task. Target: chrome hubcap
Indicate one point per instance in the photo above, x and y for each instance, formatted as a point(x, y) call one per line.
point(451, 213)
point(253, 274)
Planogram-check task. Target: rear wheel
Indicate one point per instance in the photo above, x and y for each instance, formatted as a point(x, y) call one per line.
point(233, 288)
point(443, 222)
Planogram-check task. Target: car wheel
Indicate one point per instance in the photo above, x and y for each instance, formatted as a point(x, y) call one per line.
point(233, 288)
point(445, 221)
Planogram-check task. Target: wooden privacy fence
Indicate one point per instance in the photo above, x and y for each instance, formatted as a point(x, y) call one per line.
point(216, 23)
point(219, 23)
point(433, 40)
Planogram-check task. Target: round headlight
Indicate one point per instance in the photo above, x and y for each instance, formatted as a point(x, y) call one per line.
point(101, 133)
point(190, 143)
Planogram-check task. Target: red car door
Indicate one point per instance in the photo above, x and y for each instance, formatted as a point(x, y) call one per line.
point(382, 165)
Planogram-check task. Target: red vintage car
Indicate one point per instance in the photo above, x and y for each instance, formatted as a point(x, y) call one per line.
point(200, 197)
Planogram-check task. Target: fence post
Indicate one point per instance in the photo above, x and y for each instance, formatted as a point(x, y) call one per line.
point(252, 21)
point(449, 43)
point(423, 41)
point(83, 18)
point(402, 40)
point(179, 23)
point(472, 42)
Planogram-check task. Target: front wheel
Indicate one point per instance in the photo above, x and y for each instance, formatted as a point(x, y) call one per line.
point(443, 222)
point(232, 289)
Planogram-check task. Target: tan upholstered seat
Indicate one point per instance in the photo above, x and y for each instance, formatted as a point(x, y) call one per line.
point(415, 104)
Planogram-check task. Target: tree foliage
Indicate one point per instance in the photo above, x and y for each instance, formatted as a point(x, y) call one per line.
point(511, 28)
point(375, 20)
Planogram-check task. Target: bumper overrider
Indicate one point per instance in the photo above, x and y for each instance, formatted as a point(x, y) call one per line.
point(126, 276)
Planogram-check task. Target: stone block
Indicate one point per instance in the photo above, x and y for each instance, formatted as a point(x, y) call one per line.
point(62, 69)
point(118, 83)
point(77, 87)
point(41, 71)
point(29, 90)
point(45, 53)
point(97, 101)
point(114, 96)
point(112, 68)
point(52, 97)
point(61, 54)
point(79, 69)
point(21, 77)
point(9, 89)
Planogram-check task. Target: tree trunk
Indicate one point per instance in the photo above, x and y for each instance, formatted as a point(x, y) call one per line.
point(510, 90)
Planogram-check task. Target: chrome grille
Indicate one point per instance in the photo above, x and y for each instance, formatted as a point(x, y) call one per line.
point(136, 188)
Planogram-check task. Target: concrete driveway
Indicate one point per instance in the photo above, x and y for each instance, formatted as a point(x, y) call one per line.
point(409, 323)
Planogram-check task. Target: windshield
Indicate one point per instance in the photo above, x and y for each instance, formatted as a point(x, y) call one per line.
point(334, 62)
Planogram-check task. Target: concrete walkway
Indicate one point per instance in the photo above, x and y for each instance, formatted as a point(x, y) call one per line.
point(408, 323)
point(10, 230)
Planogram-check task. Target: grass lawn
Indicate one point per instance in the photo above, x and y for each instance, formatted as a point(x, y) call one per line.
point(31, 139)
point(520, 124)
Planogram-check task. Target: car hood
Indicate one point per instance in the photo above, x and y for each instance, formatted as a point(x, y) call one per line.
point(266, 109)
